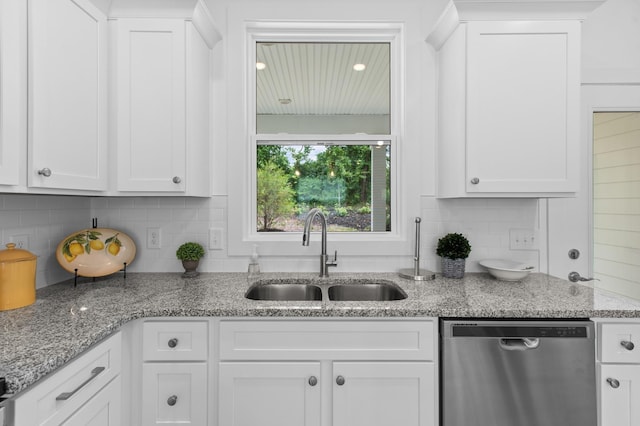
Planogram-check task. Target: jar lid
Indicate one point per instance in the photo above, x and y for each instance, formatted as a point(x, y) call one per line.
point(13, 254)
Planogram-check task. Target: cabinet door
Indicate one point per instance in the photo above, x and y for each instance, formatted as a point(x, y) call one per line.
point(174, 394)
point(619, 395)
point(384, 393)
point(13, 91)
point(104, 409)
point(67, 95)
point(269, 394)
point(522, 106)
point(151, 91)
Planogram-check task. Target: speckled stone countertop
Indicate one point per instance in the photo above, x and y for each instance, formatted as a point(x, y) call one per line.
point(66, 320)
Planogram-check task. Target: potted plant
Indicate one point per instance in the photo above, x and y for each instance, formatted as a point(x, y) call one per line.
point(453, 248)
point(190, 254)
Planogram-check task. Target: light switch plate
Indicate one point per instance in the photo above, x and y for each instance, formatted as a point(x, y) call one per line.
point(523, 239)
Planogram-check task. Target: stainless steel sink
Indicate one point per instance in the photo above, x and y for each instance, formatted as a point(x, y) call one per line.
point(284, 292)
point(366, 292)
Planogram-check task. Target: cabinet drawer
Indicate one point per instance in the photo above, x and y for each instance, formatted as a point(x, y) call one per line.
point(175, 341)
point(620, 342)
point(57, 397)
point(316, 339)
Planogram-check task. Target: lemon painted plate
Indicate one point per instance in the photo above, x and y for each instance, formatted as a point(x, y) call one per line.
point(96, 252)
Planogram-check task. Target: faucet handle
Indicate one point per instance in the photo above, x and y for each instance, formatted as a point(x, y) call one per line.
point(334, 262)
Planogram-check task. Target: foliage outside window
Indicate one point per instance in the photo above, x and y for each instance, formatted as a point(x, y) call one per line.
point(350, 183)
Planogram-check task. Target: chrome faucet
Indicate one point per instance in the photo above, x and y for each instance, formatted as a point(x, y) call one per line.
point(306, 237)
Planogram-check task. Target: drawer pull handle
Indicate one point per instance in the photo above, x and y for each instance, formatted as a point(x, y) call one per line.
point(313, 380)
point(66, 395)
point(613, 383)
point(172, 400)
point(628, 345)
point(340, 380)
point(172, 343)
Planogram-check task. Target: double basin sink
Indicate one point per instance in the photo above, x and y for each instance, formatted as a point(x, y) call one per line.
point(301, 290)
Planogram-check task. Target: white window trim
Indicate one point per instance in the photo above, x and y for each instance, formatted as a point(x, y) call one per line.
point(242, 190)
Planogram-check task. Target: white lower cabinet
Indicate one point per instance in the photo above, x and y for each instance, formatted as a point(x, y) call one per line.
point(104, 409)
point(383, 393)
point(619, 372)
point(87, 391)
point(174, 393)
point(341, 373)
point(269, 393)
point(619, 395)
point(175, 377)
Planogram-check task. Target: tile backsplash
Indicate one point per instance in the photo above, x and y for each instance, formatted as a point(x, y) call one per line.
point(46, 220)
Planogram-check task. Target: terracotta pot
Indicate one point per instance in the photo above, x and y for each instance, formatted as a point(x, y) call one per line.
point(190, 268)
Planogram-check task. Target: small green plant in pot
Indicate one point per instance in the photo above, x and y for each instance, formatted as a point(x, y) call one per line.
point(190, 254)
point(453, 248)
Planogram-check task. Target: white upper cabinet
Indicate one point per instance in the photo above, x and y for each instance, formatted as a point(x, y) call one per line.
point(162, 119)
point(13, 92)
point(67, 95)
point(508, 98)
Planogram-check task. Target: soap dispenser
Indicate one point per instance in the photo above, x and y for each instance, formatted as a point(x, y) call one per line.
point(254, 266)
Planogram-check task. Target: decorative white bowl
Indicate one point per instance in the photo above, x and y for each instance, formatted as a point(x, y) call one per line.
point(506, 270)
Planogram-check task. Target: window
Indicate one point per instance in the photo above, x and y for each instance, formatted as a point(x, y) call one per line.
point(323, 121)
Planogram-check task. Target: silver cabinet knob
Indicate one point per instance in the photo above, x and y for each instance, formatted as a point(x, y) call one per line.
point(313, 380)
point(475, 181)
point(613, 383)
point(46, 172)
point(171, 401)
point(176, 179)
point(340, 380)
point(172, 343)
point(627, 345)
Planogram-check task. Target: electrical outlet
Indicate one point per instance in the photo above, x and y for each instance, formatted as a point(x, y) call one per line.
point(523, 239)
point(21, 241)
point(154, 238)
point(215, 238)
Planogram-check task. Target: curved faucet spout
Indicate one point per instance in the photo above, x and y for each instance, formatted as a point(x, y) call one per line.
point(306, 238)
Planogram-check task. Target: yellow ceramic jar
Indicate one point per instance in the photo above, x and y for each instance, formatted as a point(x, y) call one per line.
point(17, 278)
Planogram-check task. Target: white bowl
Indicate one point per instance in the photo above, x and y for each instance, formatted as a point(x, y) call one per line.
point(506, 270)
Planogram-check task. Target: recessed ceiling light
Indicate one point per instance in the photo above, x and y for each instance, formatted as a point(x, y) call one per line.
point(359, 67)
point(260, 66)
point(284, 101)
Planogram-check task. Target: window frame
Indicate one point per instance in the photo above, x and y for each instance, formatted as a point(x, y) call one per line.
point(243, 232)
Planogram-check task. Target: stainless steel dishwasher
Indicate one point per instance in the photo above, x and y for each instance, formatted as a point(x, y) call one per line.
point(517, 373)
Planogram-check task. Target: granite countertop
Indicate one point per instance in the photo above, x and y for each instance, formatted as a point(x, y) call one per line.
point(66, 320)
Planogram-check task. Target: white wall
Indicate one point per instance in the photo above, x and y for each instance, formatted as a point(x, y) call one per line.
point(45, 220)
point(486, 222)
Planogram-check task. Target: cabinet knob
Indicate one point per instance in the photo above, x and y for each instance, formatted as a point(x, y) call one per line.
point(172, 343)
point(613, 383)
point(176, 179)
point(340, 380)
point(313, 380)
point(171, 401)
point(46, 172)
point(627, 345)
point(475, 181)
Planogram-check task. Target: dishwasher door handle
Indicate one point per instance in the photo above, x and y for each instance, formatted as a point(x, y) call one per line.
point(519, 344)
